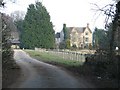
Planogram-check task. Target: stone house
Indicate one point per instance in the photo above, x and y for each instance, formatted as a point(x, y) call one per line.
point(81, 37)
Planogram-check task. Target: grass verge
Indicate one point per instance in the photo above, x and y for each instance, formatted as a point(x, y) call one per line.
point(50, 58)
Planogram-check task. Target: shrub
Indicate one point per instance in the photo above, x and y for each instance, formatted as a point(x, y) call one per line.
point(102, 65)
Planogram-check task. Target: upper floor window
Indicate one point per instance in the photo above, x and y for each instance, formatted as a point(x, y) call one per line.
point(86, 33)
point(86, 39)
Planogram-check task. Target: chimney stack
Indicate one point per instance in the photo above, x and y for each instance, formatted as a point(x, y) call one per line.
point(88, 25)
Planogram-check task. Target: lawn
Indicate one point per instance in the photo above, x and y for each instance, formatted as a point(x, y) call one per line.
point(53, 59)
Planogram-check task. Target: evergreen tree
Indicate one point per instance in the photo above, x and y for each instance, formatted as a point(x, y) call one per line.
point(65, 31)
point(38, 29)
point(66, 37)
point(19, 25)
point(100, 39)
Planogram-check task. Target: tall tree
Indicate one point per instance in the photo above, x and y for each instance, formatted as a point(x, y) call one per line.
point(115, 28)
point(19, 25)
point(66, 37)
point(38, 29)
point(7, 52)
point(65, 31)
point(112, 12)
point(100, 39)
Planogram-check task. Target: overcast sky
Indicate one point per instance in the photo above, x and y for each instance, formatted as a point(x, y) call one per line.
point(72, 12)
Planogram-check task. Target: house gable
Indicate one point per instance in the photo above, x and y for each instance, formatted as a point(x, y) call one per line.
point(87, 28)
point(80, 36)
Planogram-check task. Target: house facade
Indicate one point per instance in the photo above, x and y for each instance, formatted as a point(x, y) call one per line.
point(57, 39)
point(15, 43)
point(81, 37)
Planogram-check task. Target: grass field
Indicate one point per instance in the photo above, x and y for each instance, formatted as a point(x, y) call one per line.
point(50, 58)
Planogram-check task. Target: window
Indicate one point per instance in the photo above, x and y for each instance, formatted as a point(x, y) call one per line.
point(86, 39)
point(86, 33)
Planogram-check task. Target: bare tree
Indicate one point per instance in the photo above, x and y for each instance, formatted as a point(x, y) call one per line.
point(112, 13)
point(2, 4)
point(18, 15)
point(108, 10)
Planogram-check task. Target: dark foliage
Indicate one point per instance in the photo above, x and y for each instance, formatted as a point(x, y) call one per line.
point(37, 28)
point(7, 52)
point(105, 62)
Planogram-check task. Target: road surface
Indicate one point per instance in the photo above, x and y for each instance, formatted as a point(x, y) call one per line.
point(36, 74)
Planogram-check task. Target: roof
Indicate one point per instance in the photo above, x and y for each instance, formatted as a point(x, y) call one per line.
point(79, 29)
point(89, 29)
point(15, 41)
point(57, 35)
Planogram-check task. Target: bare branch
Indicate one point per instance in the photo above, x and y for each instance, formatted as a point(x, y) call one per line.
point(108, 10)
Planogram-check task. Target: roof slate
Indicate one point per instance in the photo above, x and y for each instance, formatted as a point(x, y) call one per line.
point(79, 29)
point(15, 41)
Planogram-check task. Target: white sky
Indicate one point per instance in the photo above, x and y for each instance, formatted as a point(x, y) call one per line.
point(72, 12)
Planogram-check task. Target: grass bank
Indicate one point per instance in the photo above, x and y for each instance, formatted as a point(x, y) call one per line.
point(76, 67)
point(53, 59)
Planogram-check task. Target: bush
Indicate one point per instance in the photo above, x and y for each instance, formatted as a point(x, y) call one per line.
point(7, 52)
point(102, 65)
point(62, 45)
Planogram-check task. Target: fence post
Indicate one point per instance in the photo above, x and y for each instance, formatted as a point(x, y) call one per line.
point(63, 54)
point(71, 55)
point(77, 56)
point(81, 56)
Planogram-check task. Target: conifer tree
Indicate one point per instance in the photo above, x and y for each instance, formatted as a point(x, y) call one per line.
point(38, 29)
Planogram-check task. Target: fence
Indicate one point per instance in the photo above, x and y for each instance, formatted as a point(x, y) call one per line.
point(66, 55)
